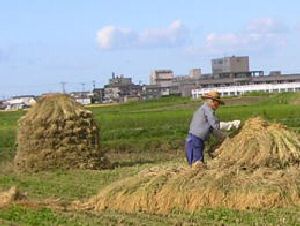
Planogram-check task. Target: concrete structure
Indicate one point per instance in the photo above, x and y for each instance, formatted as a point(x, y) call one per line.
point(227, 72)
point(120, 89)
point(111, 94)
point(238, 90)
point(98, 95)
point(2, 105)
point(82, 97)
point(119, 80)
point(195, 73)
point(150, 92)
point(162, 78)
point(230, 64)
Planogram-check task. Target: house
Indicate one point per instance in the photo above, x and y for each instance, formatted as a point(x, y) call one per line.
point(2, 105)
point(98, 95)
point(121, 89)
point(82, 97)
point(20, 102)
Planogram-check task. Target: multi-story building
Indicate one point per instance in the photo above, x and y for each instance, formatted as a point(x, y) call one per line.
point(82, 97)
point(121, 89)
point(119, 80)
point(195, 73)
point(151, 92)
point(224, 67)
point(162, 78)
point(98, 95)
point(111, 94)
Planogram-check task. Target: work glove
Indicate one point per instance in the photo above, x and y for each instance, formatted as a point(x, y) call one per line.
point(227, 126)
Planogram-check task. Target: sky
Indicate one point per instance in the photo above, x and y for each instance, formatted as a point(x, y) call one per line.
point(46, 42)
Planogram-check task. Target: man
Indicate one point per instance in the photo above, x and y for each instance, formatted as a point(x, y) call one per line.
point(203, 123)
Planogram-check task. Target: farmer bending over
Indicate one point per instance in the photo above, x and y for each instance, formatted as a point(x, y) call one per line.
point(203, 122)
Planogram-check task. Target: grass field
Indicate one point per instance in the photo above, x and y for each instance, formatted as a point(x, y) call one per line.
point(137, 136)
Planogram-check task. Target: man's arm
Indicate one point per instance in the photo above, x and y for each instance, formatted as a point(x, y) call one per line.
point(215, 125)
point(212, 120)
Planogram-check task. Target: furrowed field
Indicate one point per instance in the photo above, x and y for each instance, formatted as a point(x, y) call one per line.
point(137, 136)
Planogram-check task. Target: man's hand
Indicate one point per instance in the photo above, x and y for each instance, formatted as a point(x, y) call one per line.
point(227, 126)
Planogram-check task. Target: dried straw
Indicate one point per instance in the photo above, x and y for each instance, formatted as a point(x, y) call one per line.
point(58, 133)
point(258, 168)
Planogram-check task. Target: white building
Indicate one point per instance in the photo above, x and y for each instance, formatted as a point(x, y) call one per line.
point(238, 90)
point(82, 97)
point(20, 102)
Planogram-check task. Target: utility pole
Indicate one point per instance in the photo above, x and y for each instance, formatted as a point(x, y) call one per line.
point(63, 86)
point(94, 84)
point(82, 87)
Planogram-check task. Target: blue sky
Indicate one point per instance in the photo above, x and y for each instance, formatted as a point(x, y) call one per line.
point(45, 42)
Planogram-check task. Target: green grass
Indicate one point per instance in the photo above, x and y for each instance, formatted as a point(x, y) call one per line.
point(161, 125)
point(137, 136)
point(66, 185)
point(44, 216)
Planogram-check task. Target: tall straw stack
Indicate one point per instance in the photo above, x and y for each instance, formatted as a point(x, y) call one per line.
point(58, 132)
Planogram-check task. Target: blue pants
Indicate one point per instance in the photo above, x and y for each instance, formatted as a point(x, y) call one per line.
point(194, 149)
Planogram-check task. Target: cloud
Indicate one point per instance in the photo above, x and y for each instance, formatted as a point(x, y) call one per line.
point(111, 37)
point(176, 34)
point(266, 26)
point(259, 35)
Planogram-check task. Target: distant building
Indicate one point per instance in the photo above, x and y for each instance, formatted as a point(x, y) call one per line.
point(20, 102)
point(195, 73)
point(98, 95)
point(227, 65)
point(150, 92)
point(121, 89)
point(27, 99)
point(111, 94)
point(162, 78)
point(119, 80)
point(2, 105)
point(238, 90)
point(82, 97)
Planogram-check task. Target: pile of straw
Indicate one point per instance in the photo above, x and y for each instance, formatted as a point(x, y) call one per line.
point(259, 144)
point(58, 133)
point(188, 189)
point(258, 168)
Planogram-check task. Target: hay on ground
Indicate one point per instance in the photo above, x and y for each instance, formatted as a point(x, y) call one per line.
point(58, 133)
point(258, 168)
point(6, 198)
point(189, 189)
